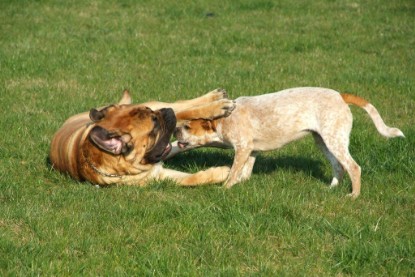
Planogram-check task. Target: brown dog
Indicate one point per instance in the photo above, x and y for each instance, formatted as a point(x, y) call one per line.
point(124, 143)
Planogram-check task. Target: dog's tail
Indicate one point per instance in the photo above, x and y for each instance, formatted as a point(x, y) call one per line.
point(382, 128)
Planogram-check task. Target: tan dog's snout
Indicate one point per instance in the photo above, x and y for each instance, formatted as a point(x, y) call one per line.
point(178, 133)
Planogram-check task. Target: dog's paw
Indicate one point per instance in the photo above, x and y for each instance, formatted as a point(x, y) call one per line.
point(219, 174)
point(353, 195)
point(227, 106)
point(229, 183)
point(334, 183)
point(217, 94)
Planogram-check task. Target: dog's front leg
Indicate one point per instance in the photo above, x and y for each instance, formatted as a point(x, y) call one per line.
point(209, 176)
point(242, 155)
point(217, 96)
point(220, 108)
point(249, 165)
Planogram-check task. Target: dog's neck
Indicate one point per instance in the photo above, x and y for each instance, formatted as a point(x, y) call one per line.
point(95, 164)
point(217, 127)
point(87, 153)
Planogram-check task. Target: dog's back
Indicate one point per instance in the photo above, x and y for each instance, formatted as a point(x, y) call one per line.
point(65, 145)
point(303, 98)
point(274, 119)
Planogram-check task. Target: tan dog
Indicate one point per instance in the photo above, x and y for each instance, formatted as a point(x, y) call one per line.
point(270, 121)
point(124, 143)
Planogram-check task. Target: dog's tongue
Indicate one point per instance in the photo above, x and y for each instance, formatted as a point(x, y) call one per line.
point(166, 150)
point(182, 144)
point(115, 145)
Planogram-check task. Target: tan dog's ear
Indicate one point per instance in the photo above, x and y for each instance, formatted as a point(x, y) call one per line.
point(208, 125)
point(110, 142)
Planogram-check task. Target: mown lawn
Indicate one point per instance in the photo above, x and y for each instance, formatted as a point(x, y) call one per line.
point(58, 58)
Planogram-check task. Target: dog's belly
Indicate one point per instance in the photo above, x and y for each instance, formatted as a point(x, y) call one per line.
point(281, 128)
point(266, 143)
point(275, 119)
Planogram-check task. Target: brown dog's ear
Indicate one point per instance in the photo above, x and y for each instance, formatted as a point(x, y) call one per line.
point(96, 115)
point(109, 142)
point(126, 98)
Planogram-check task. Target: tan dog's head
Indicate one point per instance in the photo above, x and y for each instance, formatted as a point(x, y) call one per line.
point(196, 132)
point(135, 131)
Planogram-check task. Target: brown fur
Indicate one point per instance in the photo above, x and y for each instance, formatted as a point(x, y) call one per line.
point(124, 143)
point(353, 99)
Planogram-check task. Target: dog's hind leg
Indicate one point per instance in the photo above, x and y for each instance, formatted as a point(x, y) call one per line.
point(337, 168)
point(339, 148)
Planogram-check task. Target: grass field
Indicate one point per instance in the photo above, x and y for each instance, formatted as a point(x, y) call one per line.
point(58, 58)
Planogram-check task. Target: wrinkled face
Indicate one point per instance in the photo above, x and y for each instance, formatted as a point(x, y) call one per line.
point(137, 132)
point(196, 132)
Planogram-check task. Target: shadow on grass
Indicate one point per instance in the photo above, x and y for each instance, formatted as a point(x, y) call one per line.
point(263, 164)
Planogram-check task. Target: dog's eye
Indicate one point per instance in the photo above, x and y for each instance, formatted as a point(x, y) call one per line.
point(186, 127)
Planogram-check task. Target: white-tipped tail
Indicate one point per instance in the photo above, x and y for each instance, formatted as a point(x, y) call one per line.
point(382, 128)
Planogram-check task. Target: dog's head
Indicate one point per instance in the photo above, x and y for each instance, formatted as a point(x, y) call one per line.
point(196, 132)
point(137, 132)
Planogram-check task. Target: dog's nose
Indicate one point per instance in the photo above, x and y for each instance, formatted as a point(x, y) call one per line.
point(177, 132)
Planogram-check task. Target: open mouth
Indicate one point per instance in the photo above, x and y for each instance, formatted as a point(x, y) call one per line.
point(162, 147)
point(166, 150)
point(182, 144)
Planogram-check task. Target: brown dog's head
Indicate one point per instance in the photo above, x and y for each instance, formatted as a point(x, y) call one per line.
point(134, 131)
point(196, 132)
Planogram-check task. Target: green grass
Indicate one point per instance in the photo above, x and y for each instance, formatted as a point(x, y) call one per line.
point(58, 58)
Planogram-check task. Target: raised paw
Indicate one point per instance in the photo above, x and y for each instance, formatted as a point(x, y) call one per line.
point(217, 94)
point(225, 107)
point(209, 110)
